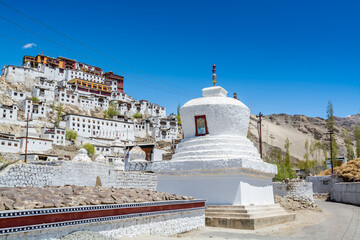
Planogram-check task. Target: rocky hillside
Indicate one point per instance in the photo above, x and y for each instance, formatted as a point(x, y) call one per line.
point(299, 128)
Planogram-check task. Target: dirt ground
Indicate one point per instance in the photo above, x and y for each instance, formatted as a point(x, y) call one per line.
point(281, 231)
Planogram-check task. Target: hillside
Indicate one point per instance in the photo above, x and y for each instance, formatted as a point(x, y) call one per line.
point(299, 128)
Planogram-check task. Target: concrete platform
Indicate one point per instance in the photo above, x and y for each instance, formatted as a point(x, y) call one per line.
point(246, 217)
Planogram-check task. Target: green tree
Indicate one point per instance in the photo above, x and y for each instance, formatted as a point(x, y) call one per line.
point(248, 133)
point(284, 165)
point(110, 112)
point(330, 123)
point(89, 148)
point(357, 141)
point(58, 115)
point(348, 144)
point(178, 114)
point(35, 99)
point(137, 115)
point(71, 135)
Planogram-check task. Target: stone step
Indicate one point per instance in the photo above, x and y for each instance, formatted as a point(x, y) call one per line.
point(248, 223)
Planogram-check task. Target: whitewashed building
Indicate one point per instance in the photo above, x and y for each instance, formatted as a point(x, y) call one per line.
point(34, 109)
point(9, 143)
point(8, 112)
point(17, 95)
point(164, 129)
point(35, 143)
point(57, 135)
point(100, 128)
point(104, 150)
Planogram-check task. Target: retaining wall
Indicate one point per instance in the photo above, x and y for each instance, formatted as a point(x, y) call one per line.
point(346, 192)
point(166, 224)
point(321, 184)
point(74, 173)
point(303, 190)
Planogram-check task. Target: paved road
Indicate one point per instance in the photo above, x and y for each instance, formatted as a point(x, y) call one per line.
point(337, 222)
point(342, 223)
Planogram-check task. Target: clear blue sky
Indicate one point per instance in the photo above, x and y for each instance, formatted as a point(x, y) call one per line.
point(279, 56)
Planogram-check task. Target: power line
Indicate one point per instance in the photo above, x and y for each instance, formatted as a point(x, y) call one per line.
point(87, 46)
point(14, 40)
point(172, 91)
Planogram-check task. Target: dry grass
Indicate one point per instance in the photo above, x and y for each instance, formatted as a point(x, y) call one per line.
point(350, 171)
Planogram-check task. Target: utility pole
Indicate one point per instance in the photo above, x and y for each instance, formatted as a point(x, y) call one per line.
point(27, 135)
point(331, 152)
point(260, 139)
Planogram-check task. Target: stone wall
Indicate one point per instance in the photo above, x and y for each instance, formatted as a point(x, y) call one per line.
point(346, 192)
point(159, 225)
point(302, 190)
point(321, 184)
point(74, 173)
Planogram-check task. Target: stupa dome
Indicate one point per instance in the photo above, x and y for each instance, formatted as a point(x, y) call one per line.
point(215, 127)
point(224, 115)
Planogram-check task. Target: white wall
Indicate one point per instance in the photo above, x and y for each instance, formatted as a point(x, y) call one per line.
point(321, 184)
point(346, 192)
point(301, 190)
point(103, 128)
point(35, 145)
point(10, 146)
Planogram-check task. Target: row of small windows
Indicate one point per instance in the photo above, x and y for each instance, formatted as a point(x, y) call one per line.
point(97, 122)
point(98, 127)
point(9, 144)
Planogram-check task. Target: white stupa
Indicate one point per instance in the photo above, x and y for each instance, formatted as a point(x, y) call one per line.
point(215, 160)
point(82, 156)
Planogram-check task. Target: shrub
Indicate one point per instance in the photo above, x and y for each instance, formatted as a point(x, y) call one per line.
point(110, 112)
point(137, 115)
point(71, 135)
point(89, 148)
point(35, 99)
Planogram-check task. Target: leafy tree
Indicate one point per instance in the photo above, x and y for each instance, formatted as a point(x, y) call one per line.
point(348, 144)
point(35, 99)
point(58, 115)
point(137, 115)
point(248, 133)
point(71, 135)
point(357, 141)
point(330, 123)
point(89, 148)
point(178, 114)
point(284, 165)
point(110, 112)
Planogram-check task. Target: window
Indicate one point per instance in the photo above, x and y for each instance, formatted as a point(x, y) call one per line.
point(201, 125)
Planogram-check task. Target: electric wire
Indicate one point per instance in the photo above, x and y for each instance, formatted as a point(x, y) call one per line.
point(89, 47)
point(172, 91)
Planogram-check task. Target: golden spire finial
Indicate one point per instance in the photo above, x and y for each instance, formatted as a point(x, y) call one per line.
point(214, 75)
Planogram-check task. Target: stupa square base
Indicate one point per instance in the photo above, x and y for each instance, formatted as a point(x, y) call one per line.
point(219, 182)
